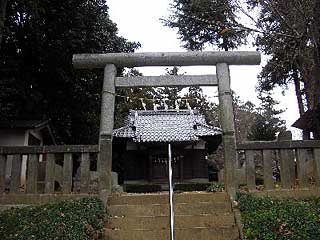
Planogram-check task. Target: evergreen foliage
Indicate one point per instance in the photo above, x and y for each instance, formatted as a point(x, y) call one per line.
point(205, 22)
point(37, 79)
point(244, 115)
point(267, 124)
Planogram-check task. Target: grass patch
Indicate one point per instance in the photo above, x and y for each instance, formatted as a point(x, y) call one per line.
point(270, 219)
point(71, 219)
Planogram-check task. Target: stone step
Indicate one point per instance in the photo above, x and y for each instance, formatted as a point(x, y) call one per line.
point(228, 233)
point(163, 198)
point(163, 222)
point(163, 209)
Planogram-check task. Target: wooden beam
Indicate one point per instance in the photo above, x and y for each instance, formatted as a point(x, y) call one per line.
point(49, 149)
point(259, 145)
point(192, 58)
point(167, 80)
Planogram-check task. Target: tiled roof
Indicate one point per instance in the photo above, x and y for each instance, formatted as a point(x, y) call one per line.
point(165, 126)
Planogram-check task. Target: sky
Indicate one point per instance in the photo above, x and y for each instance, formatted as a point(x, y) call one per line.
point(139, 20)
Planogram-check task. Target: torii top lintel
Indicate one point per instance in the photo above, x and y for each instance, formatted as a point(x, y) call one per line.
point(193, 58)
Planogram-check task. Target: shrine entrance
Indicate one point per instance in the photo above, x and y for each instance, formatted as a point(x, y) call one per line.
point(111, 61)
point(160, 167)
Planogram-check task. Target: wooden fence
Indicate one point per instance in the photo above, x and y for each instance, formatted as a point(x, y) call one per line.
point(285, 164)
point(46, 169)
point(50, 169)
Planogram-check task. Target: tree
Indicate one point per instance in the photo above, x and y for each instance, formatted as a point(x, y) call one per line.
point(167, 96)
point(287, 31)
point(206, 22)
point(290, 38)
point(267, 123)
point(286, 41)
point(197, 100)
point(3, 7)
point(244, 115)
point(36, 69)
point(131, 99)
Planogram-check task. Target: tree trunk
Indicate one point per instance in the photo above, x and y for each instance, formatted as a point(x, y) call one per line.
point(298, 93)
point(300, 101)
point(3, 7)
point(225, 43)
point(316, 74)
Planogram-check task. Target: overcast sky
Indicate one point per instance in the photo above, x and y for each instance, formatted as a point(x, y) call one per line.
point(138, 20)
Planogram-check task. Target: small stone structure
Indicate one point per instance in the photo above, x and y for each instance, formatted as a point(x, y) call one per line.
point(115, 186)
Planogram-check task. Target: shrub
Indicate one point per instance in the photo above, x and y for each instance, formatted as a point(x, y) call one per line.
point(215, 187)
point(71, 219)
point(141, 188)
point(266, 218)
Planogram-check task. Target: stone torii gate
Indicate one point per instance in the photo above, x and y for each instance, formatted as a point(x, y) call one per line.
point(111, 61)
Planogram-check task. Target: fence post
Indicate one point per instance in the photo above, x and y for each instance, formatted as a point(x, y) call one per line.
point(286, 168)
point(250, 170)
point(268, 181)
point(316, 154)
point(3, 165)
point(67, 173)
point(302, 157)
point(106, 128)
point(32, 173)
point(50, 173)
point(16, 173)
point(227, 124)
point(85, 172)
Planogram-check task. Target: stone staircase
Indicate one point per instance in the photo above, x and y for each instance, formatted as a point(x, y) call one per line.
point(198, 215)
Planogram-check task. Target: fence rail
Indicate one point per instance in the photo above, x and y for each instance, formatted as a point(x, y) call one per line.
point(49, 149)
point(73, 168)
point(47, 169)
point(287, 164)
